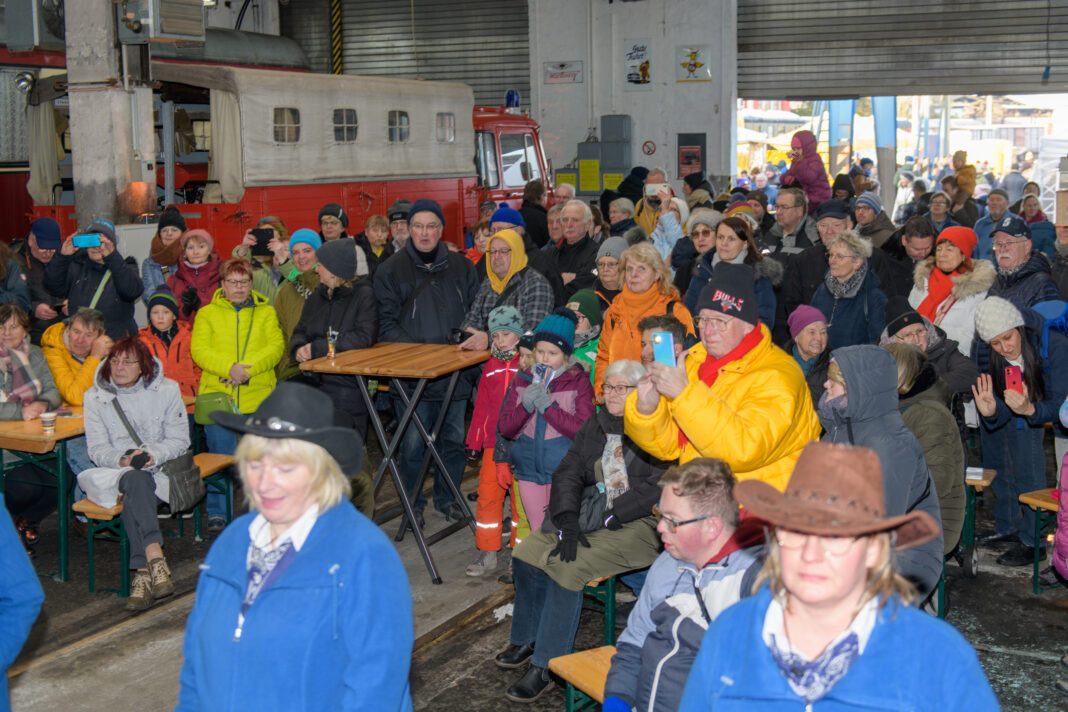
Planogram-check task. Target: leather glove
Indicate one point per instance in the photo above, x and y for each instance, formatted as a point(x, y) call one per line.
point(568, 537)
point(615, 704)
point(190, 301)
point(611, 522)
point(530, 396)
point(504, 475)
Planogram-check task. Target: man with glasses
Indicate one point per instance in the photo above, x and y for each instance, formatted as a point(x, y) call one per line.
point(997, 205)
point(1024, 275)
point(398, 222)
point(540, 261)
point(33, 254)
point(794, 230)
point(424, 292)
point(904, 325)
point(736, 396)
point(709, 562)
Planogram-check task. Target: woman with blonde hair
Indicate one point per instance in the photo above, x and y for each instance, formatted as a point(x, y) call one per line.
point(830, 620)
point(647, 291)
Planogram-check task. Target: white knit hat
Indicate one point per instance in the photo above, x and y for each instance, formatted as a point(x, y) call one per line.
point(995, 316)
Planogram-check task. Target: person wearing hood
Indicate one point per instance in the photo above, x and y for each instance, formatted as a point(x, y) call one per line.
point(506, 218)
point(807, 170)
point(237, 345)
point(842, 189)
point(587, 310)
point(922, 397)
point(340, 315)
point(510, 281)
point(949, 285)
point(808, 346)
point(734, 244)
point(165, 251)
point(575, 544)
point(860, 407)
point(1014, 415)
point(132, 381)
point(97, 277)
point(872, 221)
point(647, 290)
point(850, 296)
point(333, 222)
point(904, 325)
point(299, 284)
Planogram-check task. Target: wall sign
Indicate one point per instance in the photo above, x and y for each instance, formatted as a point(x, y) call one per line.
point(648, 148)
point(562, 72)
point(637, 65)
point(692, 63)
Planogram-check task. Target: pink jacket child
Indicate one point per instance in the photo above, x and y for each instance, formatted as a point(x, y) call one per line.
point(807, 170)
point(203, 277)
point(1060, 538)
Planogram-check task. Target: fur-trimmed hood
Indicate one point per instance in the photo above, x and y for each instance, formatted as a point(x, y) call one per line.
point(979, 280)
point(771, 269)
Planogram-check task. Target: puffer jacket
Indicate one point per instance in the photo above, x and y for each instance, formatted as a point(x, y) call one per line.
point(1030, 284)
point(496, 376)
point(620, 336)
point(155, 411)
point(856, 318)
point(77, 277)
point(767, 278)
point(871, 419)
point(969, 289)
point(924, 411)
point(578, 470)
point(225, 335)
point(757, 416)
point(1060, 538)
point(542, 439)
point(203, 278)
point(656, 650)
point(808, 172)
point(12, 410)
point(177, 360)
point(72, 377)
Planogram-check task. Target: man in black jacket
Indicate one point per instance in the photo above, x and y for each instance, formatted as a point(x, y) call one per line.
point(576, 257)
point(33, 254)
point(424, 291)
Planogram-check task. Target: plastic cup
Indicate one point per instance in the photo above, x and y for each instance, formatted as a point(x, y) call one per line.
point(48, 423)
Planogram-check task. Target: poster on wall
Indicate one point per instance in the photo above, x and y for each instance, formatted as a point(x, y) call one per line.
point(689, 160)
point(637, 65)
point(692, 63)
point(562, 72)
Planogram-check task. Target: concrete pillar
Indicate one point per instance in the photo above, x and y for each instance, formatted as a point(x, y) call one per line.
point(111, 128)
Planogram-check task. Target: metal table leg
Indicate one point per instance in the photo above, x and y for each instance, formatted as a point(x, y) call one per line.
point(64, 504)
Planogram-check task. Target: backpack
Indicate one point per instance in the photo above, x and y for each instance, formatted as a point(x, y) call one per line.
point(1055, 316)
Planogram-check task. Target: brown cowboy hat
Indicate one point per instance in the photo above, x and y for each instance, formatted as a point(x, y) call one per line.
point(835, 490)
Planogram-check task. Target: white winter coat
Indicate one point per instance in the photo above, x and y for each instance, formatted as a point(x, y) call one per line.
point(969, 289)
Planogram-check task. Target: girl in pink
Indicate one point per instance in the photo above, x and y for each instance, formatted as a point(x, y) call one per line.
point(197, 276)
point(807, 170)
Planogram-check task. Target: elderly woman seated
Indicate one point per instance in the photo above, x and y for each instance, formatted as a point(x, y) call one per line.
point(831, 624)
point(850, 296)
point(599, 523)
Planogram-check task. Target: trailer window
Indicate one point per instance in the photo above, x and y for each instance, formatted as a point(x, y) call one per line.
point(446, 127)
point(486, 161)
point(345, 125)
point(286, 124)
point(398, 126)
point(518, 159)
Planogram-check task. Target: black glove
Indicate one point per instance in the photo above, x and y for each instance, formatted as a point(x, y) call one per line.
point(190, 301)
point(612, 522)
point(568, 537)
point(138, 461)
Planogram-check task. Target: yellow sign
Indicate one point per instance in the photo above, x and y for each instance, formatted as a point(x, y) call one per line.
point(589, 176)
point(612, 180)
point(569, 178)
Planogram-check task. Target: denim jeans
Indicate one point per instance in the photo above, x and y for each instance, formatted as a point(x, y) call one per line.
point(544, 613)
point(450, 444)
point(222, 441)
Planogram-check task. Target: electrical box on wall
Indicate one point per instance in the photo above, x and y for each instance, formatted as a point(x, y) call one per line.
point(143, 21)
point(33, 24)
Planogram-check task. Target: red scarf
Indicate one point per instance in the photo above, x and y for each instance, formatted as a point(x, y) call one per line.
point(708, 371)
point(939, 286)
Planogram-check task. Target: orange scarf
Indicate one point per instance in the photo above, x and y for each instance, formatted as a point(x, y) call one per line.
point(939, 286)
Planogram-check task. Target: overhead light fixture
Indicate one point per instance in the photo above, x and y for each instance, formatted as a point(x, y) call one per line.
point(210, 3)
point(24, 82)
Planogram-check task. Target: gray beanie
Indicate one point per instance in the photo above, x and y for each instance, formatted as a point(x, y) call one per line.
point(612, 247)
point(338, 256)
point(703, 216)
point(995, 316)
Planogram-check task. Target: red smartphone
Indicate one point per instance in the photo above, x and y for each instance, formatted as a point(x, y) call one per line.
point(1013, 379)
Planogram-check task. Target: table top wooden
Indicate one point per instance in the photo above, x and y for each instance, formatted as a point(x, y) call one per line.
point(27, 436)
point(396, 360)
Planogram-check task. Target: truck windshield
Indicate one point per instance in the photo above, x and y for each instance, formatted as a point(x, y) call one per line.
point(518, 159)
point(486, 162)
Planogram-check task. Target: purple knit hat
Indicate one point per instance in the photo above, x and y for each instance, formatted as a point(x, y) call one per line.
point(802, 317)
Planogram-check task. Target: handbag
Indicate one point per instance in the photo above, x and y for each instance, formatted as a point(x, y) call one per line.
point(185, 486)
point(207, 403)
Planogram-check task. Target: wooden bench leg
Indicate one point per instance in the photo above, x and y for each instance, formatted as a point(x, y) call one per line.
point(1045, 521)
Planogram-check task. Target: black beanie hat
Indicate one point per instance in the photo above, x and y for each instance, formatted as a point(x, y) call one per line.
point(338, 256)
point(694, 180)
point(334, 210)
point(899, 314)
point(171, 218)
point(731, 292)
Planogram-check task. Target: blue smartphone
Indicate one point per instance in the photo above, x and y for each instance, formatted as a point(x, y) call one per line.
point(664, 348)
point(87, 240)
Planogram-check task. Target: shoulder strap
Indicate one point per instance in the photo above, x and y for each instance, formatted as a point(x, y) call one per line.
point(125, 422)
point(100, 289)
point(671, 307)
point(410, 301)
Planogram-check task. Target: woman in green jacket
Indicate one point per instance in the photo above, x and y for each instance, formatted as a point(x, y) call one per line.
point(237, 343)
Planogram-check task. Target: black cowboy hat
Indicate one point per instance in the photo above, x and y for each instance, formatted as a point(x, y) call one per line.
point(297, 411)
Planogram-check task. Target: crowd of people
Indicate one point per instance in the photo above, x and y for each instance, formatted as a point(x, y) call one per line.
point(790, 351)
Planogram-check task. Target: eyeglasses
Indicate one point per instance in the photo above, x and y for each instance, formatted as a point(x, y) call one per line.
point(1008, 244)
point(673, 525)
point(702, 233)
point(123, 361)
point(832, 545)
point(780, 208)
point(832, 256)
point(911, 336)
point(329, 221)
point(608, 264)
point(424, 227)
point(618, 390)
point(499, 253)
point(717, 324)
point(238, 282)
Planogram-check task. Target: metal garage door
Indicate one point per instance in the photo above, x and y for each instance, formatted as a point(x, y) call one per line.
point(483, 43)
point(804, 49)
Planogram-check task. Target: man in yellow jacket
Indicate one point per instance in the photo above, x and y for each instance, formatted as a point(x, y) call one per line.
point(735, 396)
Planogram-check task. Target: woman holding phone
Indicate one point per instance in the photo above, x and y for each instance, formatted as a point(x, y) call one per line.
point(1022, 390)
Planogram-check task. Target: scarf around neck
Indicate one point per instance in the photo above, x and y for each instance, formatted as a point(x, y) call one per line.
point(23, 386)
point(939, 287)
point(849, 288)
point(165, 255)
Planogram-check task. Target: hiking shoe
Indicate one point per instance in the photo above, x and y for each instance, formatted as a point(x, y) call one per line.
point(484, 563)
point(140, 592)
point(160, 578)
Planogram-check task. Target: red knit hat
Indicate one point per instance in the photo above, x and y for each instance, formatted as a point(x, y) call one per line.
point(963, 238)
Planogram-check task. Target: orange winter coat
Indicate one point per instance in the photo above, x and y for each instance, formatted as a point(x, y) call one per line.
point(177, 361)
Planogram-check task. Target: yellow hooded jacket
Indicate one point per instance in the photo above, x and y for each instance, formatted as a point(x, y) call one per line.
point(73, 378)
point(756, 417)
